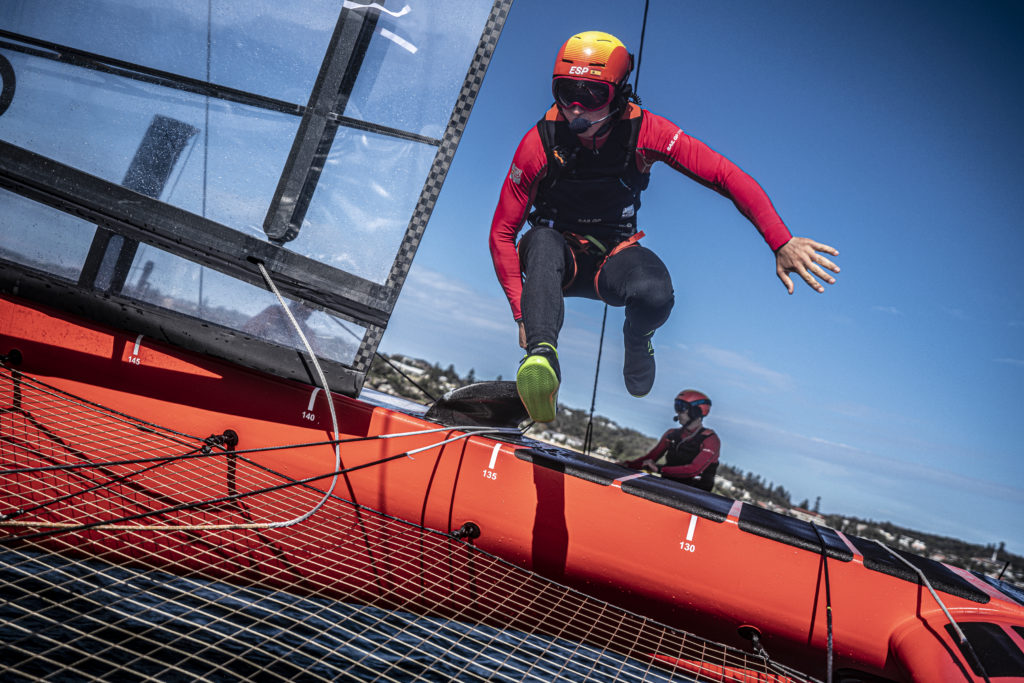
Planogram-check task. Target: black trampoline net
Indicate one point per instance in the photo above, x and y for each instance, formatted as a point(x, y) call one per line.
point(132, 552)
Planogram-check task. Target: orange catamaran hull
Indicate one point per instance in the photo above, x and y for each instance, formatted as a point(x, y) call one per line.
point(693, 560)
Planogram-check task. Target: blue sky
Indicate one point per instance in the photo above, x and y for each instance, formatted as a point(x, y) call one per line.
point(890, 130)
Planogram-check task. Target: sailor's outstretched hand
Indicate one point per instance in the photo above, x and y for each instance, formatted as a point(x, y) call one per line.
point(805, 257)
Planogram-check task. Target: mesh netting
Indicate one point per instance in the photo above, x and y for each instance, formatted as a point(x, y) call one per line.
point(130, 551)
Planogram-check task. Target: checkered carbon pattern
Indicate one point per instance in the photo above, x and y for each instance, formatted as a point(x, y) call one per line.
point(368, 346)
point(435, 177)
point(446, 150)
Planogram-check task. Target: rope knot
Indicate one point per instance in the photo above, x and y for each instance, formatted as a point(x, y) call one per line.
point(228, 439)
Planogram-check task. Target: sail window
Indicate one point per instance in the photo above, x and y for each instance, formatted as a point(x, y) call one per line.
point(167, 153)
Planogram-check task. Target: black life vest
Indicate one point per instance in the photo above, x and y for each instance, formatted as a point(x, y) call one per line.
point(595, 192)
point(683, 452)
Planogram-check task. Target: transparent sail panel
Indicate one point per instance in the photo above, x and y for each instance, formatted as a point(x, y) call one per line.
point(179, 285)
point(43, 238)
point(216, 159)
point(308, 137)
point(358, 216)
point(47, 240)
point(416, 63)
point(269, 47)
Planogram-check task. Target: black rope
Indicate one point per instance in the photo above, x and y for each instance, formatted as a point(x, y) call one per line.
point(196, 505)
point(209, 502)
point(201, 452)
point(755, 642)
point(407, 378)
point(75, 494)
point(640, 52)
point(234, 451)
point(1003, 571)
point(593, 397)
point(137, 423)
point(828, 604)
point(386, 360)
point(604, 318)
point(754, 636)
point(227, 441)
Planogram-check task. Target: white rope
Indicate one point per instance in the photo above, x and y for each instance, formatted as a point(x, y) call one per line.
point(94, 464)
point(330, 403)
point(253, 525)
point(468, 431)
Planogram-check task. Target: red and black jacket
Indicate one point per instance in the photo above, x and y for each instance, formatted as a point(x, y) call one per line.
point(689, 458)
point(657, 139)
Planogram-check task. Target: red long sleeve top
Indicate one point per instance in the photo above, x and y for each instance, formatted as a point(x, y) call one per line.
point(659, 140)
point(709, 451)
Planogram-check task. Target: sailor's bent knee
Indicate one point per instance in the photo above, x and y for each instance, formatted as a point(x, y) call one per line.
point(653, 293)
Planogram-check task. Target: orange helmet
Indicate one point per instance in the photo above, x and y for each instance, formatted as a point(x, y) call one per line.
point(693, 403)
point(594, 56)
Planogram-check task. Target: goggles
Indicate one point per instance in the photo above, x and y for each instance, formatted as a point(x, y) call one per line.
point(692, 410)
point(588, 95)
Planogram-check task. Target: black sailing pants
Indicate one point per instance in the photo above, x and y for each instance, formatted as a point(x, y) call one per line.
point(635, 278)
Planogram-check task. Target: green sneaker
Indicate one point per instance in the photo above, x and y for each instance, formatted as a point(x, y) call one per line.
point(537, 382)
